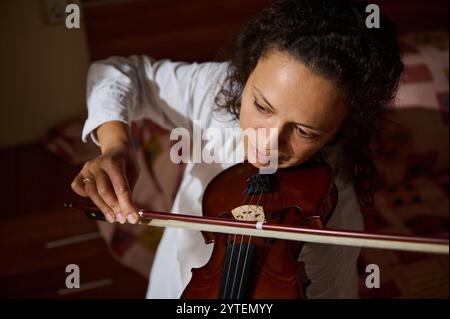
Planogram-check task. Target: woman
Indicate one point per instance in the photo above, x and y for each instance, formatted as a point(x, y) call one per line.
point(310, 69)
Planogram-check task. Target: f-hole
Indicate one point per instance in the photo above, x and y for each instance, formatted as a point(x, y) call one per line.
point(283, 213)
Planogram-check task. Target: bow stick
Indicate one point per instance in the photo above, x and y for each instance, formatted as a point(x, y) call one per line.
point(279, 231)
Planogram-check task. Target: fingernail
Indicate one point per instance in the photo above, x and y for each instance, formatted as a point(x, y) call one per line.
point(132, 218)
point(120, 218)
point(109, 218)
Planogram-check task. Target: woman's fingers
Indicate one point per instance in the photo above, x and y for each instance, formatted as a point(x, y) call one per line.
point(91, 190)
point(123, 192)
point(78, 186)
point(86, 184)
point(109, 188)
point(106, 191)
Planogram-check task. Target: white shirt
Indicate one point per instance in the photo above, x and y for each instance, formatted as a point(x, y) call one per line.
point(173, 94)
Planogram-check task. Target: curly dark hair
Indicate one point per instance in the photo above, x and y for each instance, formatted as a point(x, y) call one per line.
point(331, 38)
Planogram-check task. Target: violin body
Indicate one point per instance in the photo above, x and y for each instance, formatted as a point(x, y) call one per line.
point(254, 267)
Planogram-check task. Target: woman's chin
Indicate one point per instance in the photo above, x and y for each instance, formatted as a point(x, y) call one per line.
point(259, 164)
point(282, 163)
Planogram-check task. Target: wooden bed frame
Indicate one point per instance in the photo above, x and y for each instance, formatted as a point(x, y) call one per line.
point(199, 30)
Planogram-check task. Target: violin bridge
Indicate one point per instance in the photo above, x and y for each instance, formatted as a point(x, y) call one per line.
point(252, 213)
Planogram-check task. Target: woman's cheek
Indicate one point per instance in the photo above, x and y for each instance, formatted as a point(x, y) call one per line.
point(250, 118)
point(301, 153)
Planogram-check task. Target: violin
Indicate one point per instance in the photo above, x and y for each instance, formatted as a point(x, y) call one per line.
point(257, 267)
point(258, 224)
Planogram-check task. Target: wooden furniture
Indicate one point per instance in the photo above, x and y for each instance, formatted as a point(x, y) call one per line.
point(201, 30)
point(39, 238)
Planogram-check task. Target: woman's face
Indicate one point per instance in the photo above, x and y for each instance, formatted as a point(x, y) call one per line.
point(306, 109)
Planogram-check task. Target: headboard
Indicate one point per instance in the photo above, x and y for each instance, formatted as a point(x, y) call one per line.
point(199, 30)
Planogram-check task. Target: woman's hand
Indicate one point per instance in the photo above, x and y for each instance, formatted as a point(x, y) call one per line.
point(108, 180)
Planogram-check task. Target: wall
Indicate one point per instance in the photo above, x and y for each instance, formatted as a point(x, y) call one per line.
point(43, 69)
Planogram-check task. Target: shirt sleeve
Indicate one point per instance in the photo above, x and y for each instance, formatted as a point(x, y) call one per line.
point(332, 269)
point(171, 94)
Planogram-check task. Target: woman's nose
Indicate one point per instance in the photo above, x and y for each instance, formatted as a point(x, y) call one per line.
point(268, 139)
point(278, 135)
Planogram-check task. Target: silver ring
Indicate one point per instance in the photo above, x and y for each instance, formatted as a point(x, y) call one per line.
point(87, 180)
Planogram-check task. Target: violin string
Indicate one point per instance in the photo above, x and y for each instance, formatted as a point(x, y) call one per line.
point(243, 269)
point(242, 238)
point(248, 246)
point(242, 203)
point(260, 190)
point(240, 246)
point(237, 265)
point(232, 250)
point(228, 271)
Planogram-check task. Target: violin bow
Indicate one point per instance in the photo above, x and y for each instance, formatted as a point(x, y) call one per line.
point(279, 231)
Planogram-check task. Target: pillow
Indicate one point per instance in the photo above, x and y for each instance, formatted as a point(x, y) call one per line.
point(416, 137)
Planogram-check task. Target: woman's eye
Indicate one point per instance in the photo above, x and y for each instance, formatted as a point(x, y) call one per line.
point(260, 108)
point(302, 133)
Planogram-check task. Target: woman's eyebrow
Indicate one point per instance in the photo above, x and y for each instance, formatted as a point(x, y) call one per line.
point(270, 105)
point(264, 98)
